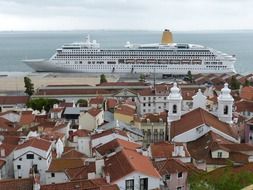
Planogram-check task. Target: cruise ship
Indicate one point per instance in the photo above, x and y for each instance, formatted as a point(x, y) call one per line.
point(165, 58)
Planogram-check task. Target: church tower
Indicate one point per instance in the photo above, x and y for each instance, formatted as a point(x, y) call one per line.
point(225, 105)
point(175, 103)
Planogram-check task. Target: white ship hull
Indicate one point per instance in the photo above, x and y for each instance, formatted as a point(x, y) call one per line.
point(47, 66)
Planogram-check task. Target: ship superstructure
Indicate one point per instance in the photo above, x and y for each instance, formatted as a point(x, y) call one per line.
point(165, 58)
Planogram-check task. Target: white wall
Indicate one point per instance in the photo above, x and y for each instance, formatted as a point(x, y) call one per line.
point(225, 154)
point(41, 158)
point(107, 138)
point(83, 145)
point(60, 177)
point(192, 134)
point(153, 182)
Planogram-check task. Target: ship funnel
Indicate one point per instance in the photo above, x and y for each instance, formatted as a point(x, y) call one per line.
point(167, 37)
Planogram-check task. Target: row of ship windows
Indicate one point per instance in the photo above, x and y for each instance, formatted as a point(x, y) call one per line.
point(139, 52)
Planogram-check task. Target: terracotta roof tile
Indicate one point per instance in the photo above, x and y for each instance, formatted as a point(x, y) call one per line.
point(97, 100)
point(247, 93)
point(164, 149)
point(60, 165)
point(72, 153)
point(108, 132)
point(7, 125)
point(125, 110)
point(81, 172)
point(13, 99)
point(36, 143)
point(122, 84)
point(200, 116)
point(116, 143)
point(133, 162)
point(17, 184)
point(111, 103)
point(7, 148)
point(170, 166)
point(244, 105)
point(26, 117)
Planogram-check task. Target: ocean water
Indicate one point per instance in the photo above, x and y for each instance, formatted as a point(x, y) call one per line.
point(16, 46)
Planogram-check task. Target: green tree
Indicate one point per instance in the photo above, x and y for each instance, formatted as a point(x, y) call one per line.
point(246, 83)
point(189, 76)
point(29, 86)
point(39, 104)
point(82, 102)
point(234, 83)
point(142, 78)
point(103, 78)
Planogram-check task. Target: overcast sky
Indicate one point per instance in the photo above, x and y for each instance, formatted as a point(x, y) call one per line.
point(176, 15)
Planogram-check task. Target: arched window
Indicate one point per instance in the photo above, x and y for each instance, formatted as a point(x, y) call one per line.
point(174, 108)
point(225, 110)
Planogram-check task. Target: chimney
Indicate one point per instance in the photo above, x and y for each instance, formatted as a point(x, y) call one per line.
point(107, 178)
point(36, 182)
point(167, 37)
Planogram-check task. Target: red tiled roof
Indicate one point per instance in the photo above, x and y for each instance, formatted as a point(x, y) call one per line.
point(201, 149)
point(244, 105)
point(116, 143)
point(36, 143)
point(247, 93)
point(94, 112)
point(72, 153)
point(165, 149)
point(8, 149)
point(133, 162)
point(94, 184)
point(17, 184)
point(111, 103)
point(26, 117)
point(60, 165)
point(6, 125)
point(97, 100)
point(170, 166)
point(108, 132)
point(125, 110)
point(81, 172)
point(13, 100)
point(122, 84)
point(200, 116)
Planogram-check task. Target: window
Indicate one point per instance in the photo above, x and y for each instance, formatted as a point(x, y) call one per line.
point(179, 175)
point(174, 108)
point(144, 104)
point(18, 167)
point(219, 154)
point(52, 174)
point(30, 156)
point(130, 184)
point(167, 177)
point(144, 184)
point(179, 188)
point(20, 159)
point(225, 110)
point(40, 158)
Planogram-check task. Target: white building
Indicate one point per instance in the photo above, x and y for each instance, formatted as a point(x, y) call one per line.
point(91, 119)
point(34, 154)
point(152, 100)
point(131, 170)
point(103, 137)
point(196, 124)
point(6, 160)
